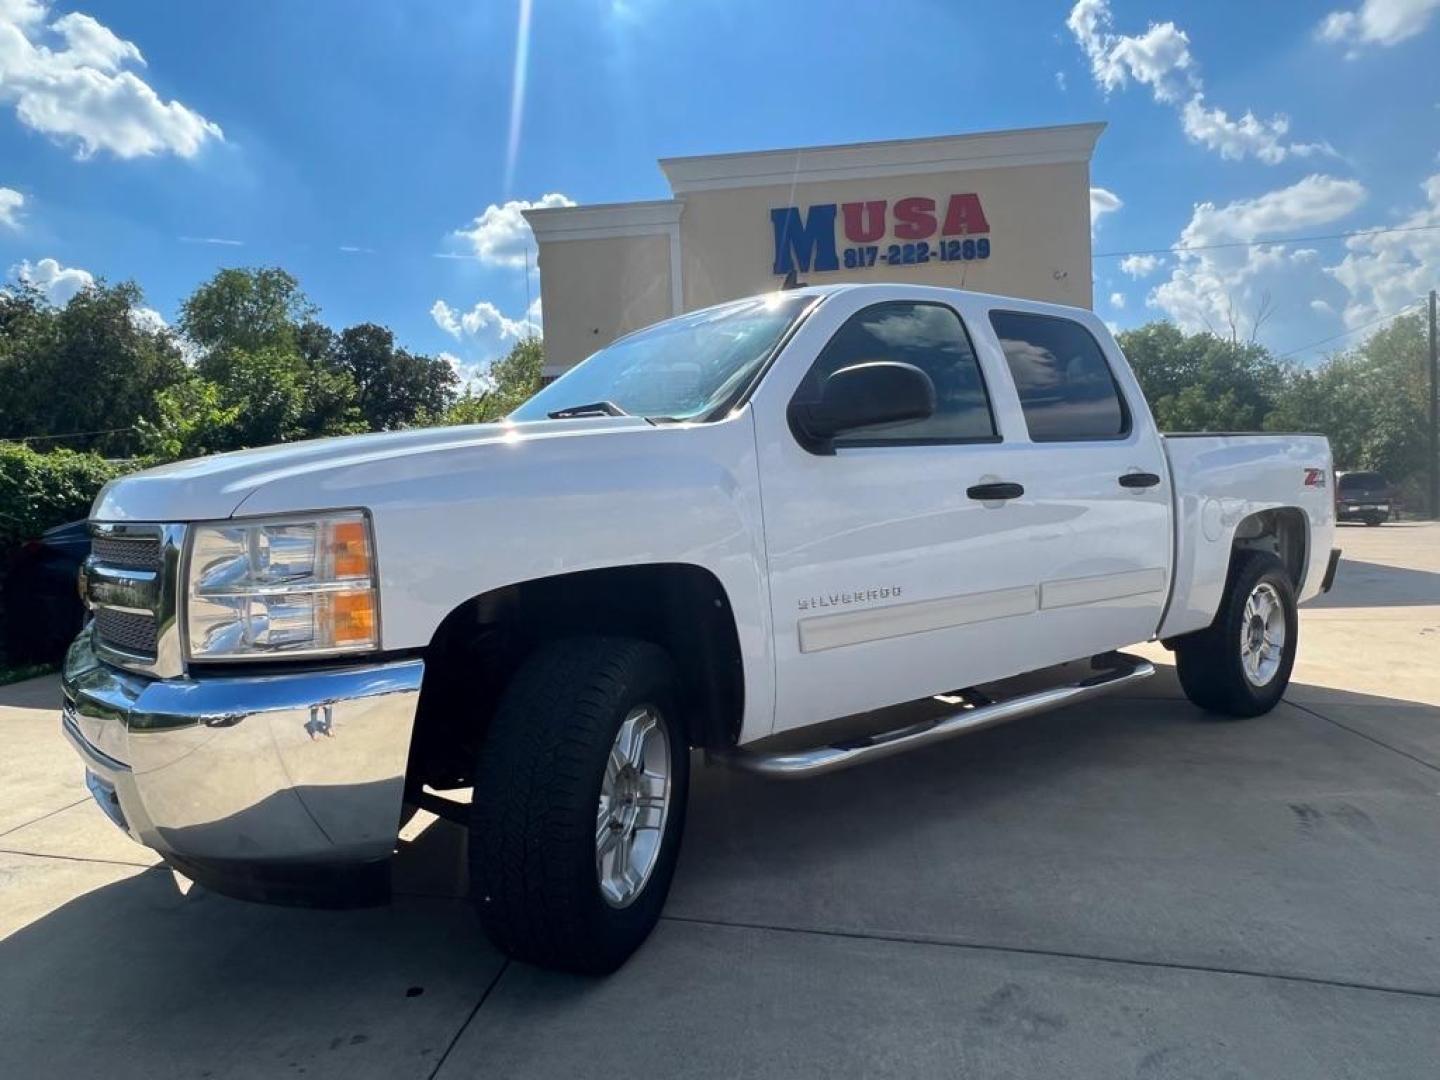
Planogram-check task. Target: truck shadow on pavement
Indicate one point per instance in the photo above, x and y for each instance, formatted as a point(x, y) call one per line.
point(1367, 584)
point(1130, 828)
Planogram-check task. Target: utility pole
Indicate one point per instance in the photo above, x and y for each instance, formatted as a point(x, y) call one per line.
point(1434, 416)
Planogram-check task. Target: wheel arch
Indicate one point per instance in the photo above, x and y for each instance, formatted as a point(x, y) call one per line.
point(1283, 531)
point(483, 641)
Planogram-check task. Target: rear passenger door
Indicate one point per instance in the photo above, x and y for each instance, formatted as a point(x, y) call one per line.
point(1095, 473)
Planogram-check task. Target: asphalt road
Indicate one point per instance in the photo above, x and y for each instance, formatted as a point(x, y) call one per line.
point(1119, 889)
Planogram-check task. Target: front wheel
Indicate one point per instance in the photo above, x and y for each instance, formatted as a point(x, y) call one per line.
point(1240, 665)
point(579, 804)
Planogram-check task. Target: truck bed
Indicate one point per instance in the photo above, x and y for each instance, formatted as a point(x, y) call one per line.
point(1220, 479)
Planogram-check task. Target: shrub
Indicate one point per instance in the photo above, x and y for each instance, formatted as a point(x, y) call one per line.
point(40, 490)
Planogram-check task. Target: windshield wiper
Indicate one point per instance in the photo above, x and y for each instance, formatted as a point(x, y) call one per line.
point(594, 408)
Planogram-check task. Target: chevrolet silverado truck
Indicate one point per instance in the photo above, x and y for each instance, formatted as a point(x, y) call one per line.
point(791, 533)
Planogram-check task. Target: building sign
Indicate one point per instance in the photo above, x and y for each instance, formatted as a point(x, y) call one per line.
point(913, 231)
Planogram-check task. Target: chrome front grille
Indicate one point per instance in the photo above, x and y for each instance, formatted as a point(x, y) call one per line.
point(128, 552)
point(130, 582)
point(128, 631)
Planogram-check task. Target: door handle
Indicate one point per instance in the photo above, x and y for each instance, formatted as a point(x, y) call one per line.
point(989, 492)
point(1139, 480)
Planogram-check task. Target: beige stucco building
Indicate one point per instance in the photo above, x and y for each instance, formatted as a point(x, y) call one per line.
point(1004, 212)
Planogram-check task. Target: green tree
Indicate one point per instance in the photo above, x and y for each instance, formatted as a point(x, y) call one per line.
point(266, 370)
point(38, 490)
point(193, 420)
point(245, 309)
point(1201, 382)
point(1370, 401)
point(513, 380)
point(394, 388)
point(89, 371)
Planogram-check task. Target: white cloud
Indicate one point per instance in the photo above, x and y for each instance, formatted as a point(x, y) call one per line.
point(485, 325)
point(1117, 299)
point(1161, 59)
point(1321, 307)
point(1315, 200)
point(485, 332)
point(1216, 286)
point(500, 235)
point(222, 241)
point(1384, 272)
point(147, 318)
point(468, 373)
point(1061, 82)
point(57, 283)
point(1247, 136)
point(1102, 202)
point(1378, 22)
point(11, 203)
point(66, 79)
point(1139, 266)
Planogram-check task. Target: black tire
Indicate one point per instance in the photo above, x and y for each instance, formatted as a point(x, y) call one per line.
point(538, 775)
point(1374, 521)
point(1209, 662)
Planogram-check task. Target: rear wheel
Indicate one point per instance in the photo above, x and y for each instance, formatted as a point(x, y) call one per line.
point(1240, 665)
point(579, 804)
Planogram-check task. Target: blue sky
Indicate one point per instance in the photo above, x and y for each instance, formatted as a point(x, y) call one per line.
point(358, 144)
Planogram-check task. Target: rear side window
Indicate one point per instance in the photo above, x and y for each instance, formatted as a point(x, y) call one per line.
point(931, 337)
point(1065, 385)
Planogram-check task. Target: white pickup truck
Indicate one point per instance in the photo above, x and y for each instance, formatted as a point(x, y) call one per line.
point(913, 511)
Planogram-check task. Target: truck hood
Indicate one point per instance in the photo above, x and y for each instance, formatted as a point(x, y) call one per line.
point(204, 489)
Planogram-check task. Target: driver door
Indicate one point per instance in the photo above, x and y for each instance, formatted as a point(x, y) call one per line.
point(890, 579)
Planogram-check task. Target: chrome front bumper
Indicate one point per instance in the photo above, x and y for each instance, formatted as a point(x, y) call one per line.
point(302, 768)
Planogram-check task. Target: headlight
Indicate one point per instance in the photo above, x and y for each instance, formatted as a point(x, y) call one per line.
point(287, 587)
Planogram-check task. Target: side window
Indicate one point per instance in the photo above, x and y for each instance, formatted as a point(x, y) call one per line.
point(931, 337)
point(1065, 386)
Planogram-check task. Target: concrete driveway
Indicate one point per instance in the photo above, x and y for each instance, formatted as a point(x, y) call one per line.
point(1119, 889)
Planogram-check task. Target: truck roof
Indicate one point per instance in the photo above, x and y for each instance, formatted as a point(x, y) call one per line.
point(936, 292)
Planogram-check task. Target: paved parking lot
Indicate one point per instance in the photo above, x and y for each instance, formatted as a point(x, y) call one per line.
point(1118, 889)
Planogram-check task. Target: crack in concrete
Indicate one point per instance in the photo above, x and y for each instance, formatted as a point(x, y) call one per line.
point(1364, 735)
point(1060, 954)
point(42, 817)
point(484, 997)
point(78, 858)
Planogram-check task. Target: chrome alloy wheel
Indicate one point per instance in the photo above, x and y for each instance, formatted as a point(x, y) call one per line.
point(1262, 635)
point(634, 803)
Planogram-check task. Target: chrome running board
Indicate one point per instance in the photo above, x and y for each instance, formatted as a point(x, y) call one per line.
point(794, 764)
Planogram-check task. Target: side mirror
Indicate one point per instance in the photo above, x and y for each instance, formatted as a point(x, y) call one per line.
point(862, 395)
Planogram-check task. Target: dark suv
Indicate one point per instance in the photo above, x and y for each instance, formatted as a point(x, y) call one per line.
point(1363, 496)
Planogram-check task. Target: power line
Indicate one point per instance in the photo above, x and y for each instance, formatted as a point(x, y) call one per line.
point(1347, 333)
point(65, 434)
point(1180, 248)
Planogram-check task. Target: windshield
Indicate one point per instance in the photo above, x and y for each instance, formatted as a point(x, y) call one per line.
point(681, 369)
